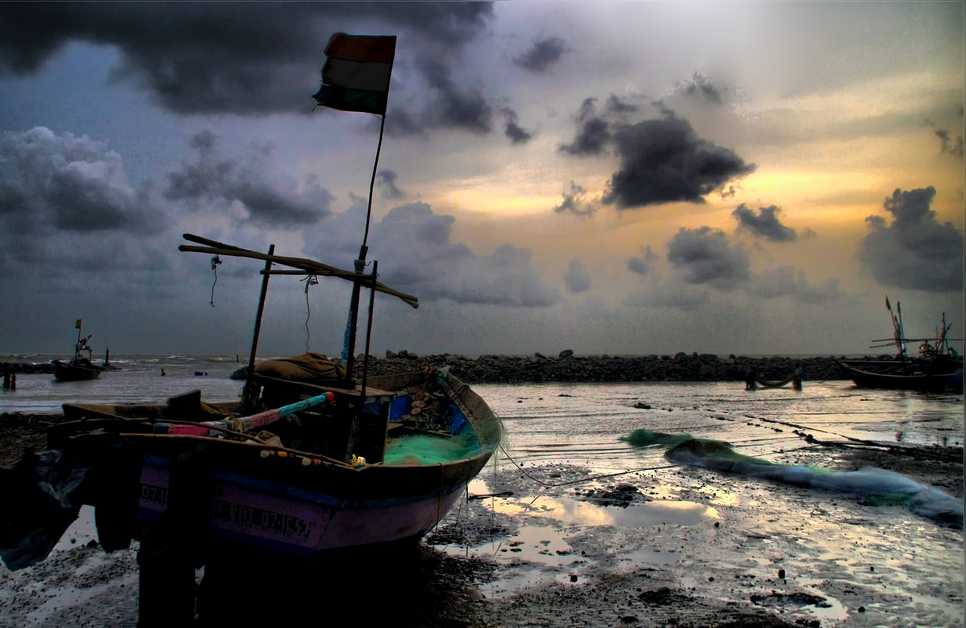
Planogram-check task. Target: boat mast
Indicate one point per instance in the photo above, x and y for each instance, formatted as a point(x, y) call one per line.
point(348, 353)
point(901, 333)
point(250, 392)
point(79, 325)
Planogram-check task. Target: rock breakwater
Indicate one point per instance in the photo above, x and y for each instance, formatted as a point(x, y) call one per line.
point(569, 367)
point(26, 367)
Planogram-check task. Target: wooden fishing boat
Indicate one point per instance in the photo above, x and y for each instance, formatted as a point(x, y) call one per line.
point(937, 368)
point(75, 370)
point(264, 492)
point(894, 374)
point(78, 368)
point(312, 459)
point(300, 466)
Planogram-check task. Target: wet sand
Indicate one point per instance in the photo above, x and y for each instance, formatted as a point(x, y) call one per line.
point(668, 546)
point(604, 553)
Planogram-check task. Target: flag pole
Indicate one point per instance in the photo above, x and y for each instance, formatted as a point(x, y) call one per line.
point(360, 264)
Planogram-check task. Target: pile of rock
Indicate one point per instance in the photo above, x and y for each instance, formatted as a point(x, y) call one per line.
point(569, 367)
point(25, 367)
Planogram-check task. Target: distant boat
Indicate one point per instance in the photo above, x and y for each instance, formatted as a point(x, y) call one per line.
point(79, 368)
point(937, 368)
point(75, 370)
point(893, 374)
point(107, 366)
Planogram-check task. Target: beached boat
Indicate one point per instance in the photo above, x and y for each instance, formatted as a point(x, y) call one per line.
point(937, 368)
point(909, 375)
point(313, 458)
point(309, 460)
point(78, 368)
point(290, 492)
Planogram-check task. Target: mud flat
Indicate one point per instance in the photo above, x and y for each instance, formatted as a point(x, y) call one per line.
point(621, 551)
point(589, 531)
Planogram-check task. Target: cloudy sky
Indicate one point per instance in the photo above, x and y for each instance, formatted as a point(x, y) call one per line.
point(623, 178)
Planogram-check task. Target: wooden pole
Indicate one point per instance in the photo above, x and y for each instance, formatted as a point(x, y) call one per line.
point(372, 181)
point(372, 302)
point(307, 266)
point(77, 344)
point(361, 261)
point(350, 358)
point(250, 394)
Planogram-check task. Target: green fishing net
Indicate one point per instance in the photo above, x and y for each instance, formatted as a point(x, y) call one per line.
point(646, 438)
point(429, 449)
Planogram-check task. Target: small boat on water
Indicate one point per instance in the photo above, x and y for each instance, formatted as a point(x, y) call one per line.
point(78, 368)
point(937, 368)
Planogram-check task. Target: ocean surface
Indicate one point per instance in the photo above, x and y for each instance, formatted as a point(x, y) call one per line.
point(565, 422)
point(724, 535)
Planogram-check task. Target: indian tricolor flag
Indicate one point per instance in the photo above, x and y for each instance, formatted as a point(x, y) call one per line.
point(356, 73)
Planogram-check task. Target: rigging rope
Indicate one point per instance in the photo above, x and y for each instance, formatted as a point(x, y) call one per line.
point(215, 261)
point(310, 280)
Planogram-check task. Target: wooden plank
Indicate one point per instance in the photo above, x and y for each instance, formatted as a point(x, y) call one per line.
point(315, 267)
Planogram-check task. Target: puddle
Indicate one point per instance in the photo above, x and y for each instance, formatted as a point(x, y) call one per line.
point(573, 512)
point(541, 550)
point(830, 609)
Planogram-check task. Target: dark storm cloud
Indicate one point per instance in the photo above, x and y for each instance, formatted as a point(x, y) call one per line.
point(574, 202)
point(269, 198)
point(416, 253)
point(238, 58)
point(644, 264)
point(453, 106)
point(787, 281)
point(705, 255)
point(66, 183)
point(543, 54)
point(593, 132)
point(946, 145)
point(70, 215)
point(577, 279)
point(764, 224)
point(703, 88)
point(618, 106)
point(514, 132)
point(387, 183)
point(915, 251)
point(664, 160)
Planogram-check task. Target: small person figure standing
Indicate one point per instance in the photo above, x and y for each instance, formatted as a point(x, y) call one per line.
point(162, 372)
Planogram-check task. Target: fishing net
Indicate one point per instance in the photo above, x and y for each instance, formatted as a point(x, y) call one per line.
point(646, 438)
point(429, 449)
point(875, 486)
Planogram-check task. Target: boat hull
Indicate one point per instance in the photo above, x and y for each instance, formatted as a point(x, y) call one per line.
point(291, 520)
point(930, 382)
point(74, 373)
